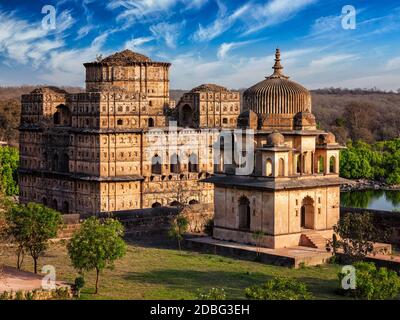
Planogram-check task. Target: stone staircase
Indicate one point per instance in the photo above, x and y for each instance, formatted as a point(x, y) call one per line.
point(313, 239)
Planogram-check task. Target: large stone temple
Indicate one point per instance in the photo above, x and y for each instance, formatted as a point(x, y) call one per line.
point(94, 152)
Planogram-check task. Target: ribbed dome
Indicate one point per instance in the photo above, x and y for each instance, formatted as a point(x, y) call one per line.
point(277, 94)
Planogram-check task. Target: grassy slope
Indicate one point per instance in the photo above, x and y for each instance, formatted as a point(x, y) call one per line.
point(148, 272)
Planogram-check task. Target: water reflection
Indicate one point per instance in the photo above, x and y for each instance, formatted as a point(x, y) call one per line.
point(371, 199)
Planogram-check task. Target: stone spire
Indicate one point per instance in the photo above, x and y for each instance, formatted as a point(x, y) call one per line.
point(277, 67)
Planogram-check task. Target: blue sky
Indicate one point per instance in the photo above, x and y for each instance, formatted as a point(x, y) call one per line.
point(228, 42)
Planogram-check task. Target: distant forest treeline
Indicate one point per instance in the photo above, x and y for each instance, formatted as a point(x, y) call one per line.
point(356, 114)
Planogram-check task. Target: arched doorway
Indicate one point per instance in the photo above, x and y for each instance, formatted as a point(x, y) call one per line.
point(55, 204)
point(307, 214)
point(156, 205)
point(65, 163)
point(187, 116)
point(65, 208)
point(54, 165)
point(244, 213)
point(151, 122)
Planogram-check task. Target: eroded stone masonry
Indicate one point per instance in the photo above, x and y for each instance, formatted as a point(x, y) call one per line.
point(99, 151)
point(91, 152)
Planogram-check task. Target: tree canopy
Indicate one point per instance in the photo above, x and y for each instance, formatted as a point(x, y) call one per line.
point(31, 227)
point(379, 161)
point(97, 245)
point(9, 161)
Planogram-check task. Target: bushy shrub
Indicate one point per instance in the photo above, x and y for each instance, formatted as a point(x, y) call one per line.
point(279, 288)
point(79, 284)
point(372, 283)
point(212, 294)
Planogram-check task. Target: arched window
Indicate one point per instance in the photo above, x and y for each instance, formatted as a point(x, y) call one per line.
point(151, 122)
point(304, 162)
point(193, 163)
point(65, 208)
point(63, 116)
point(57, 118)
point(193, 201)
point(55, 204)
point(156, 165)
point(65, 163)
point(156, 205)
point(332, 164)
point(321, 164)
point(281, 167)
point(187, 116)
point(175, 204)
point(119, 122)
point(54, 165)
point(244, 213)
point(298, 163)
point(175, 165)
point(268, 168)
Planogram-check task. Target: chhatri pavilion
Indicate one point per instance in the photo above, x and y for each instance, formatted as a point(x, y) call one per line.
point(293, 193)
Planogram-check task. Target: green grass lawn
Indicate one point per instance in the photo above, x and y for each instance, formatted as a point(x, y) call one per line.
point(154, 271)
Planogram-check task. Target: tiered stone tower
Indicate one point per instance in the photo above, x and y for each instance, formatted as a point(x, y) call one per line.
point(94, 152)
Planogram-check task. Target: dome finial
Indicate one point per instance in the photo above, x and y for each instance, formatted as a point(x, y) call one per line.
point(277, 67)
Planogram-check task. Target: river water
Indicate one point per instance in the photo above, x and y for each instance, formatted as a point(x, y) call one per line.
point(371, 199)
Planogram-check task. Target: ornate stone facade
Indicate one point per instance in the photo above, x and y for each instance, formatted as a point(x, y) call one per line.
point(292, 196)
point(209, 106)
point(92, 152)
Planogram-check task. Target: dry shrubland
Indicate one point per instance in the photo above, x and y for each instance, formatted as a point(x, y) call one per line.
point(368, 115)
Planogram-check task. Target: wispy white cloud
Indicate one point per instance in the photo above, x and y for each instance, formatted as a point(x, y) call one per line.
point(274, 12)
point(329, 60)
point(25, 42)
point(132, 11)
point(223, 22)
point(226, 47)
point(235, 72)
point(65, 67)
point(168, 32)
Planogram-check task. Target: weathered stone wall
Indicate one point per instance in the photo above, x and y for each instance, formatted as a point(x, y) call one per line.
point(157, 221)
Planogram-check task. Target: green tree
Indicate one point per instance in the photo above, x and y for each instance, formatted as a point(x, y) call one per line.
point(31, 227)
point(178, 227)
point(96, 246)
point(357, 233)
point(372, 283)
point(9, 161)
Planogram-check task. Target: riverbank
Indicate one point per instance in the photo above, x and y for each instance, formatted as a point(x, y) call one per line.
point(364, 184)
